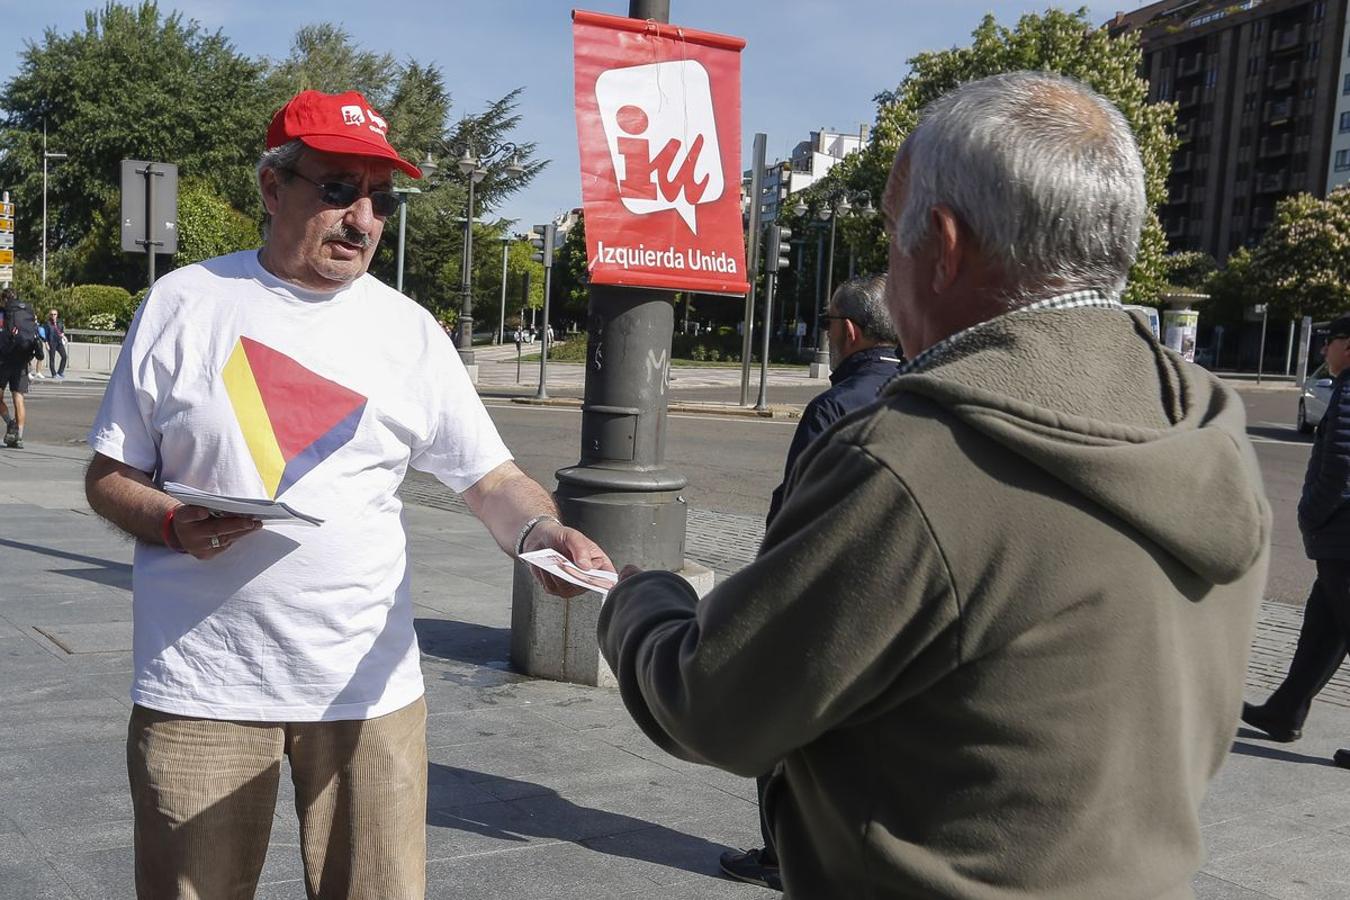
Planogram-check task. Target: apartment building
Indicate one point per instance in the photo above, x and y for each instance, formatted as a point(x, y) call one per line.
point(809, 162)
point(1262, 89)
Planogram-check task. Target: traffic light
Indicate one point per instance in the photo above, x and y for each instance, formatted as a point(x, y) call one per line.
point(544, 243)
point(777, 250)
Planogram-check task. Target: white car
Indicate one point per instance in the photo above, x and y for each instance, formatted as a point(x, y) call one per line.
point(1312, 402)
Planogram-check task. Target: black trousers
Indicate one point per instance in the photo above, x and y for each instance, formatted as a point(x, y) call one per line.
point(55, 348)
point(1323, 641)
point(769, 855)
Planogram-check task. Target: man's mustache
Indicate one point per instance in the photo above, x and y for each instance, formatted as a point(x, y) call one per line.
point(347, 235)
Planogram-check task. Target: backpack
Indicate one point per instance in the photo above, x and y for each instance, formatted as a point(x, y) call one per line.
point(19, 340)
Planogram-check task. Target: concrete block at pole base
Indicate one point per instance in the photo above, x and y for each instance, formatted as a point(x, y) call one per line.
point(473, 373)
point(554, 638)
point(819, 370)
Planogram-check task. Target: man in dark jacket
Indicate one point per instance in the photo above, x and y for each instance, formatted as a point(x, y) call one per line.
point(863, 357)
point(997, 635)
point(1324, 519)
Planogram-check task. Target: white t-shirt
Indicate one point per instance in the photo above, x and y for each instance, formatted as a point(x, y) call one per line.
point(235, 382)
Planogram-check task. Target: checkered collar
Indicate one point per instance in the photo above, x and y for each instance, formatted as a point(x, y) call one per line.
point(944, 347)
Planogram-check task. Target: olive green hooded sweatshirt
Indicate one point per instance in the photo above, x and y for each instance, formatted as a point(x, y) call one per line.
point(998, 634)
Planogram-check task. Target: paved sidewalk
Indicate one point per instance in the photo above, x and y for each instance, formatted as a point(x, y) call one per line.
point(537, 789)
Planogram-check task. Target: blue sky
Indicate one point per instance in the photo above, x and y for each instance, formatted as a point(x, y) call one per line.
point(807, 63)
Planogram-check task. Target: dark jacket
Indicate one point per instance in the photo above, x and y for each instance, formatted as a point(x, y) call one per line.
point(853, 385)
point(1323, 513)
point(997, 635)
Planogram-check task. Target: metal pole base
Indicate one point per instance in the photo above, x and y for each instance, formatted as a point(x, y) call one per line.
point(555, 638)
point(645, 529)
point(620, 493)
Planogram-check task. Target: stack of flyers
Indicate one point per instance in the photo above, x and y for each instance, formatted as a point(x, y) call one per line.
point(555, 563)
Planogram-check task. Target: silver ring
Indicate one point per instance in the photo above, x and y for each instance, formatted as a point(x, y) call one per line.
point(215, 542)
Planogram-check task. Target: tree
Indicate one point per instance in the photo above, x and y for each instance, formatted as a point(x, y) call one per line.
point(133, 84)
point(1302, 265)
point(570, 274)
point(1233, 289)
point(1055, 41)
point(208, 226)
point(1189, 271)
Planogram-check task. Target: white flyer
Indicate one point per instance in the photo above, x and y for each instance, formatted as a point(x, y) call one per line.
point(555, 563)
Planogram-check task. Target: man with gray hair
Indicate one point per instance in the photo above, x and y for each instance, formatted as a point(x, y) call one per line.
point(283, 373)
point(996, 637)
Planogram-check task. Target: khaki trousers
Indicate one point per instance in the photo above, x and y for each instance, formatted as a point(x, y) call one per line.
point(205, 791)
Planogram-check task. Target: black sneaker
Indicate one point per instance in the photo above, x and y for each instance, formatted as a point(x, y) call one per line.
point(748, 866)
point(18, 443)
point(1262, 720)
point(11, 433)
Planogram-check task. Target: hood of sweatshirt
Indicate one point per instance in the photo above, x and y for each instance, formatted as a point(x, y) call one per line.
point(1090, 397)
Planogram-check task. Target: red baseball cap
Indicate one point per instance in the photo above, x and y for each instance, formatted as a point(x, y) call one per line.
point(335, 123)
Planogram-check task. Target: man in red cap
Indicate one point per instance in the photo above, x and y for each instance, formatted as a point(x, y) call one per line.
point(282, 375)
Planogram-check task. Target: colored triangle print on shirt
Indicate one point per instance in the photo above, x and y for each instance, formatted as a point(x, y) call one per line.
point(251, 414)
point(306, 416)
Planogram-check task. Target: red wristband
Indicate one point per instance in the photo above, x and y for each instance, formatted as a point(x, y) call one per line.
point(166, 532)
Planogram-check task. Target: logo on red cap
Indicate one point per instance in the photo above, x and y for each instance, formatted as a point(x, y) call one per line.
point(336, 123)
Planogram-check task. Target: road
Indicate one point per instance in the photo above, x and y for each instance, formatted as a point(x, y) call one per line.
point(733, 464)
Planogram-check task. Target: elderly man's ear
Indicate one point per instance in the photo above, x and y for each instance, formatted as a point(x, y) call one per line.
point(949, 248)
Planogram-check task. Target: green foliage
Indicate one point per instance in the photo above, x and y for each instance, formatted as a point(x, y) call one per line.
point(138, 83)
point(1232, 289)
point(99, 306)
point(1302, 265)
point(570, 273)
point(1055, 41)
point(1188, 271)
point(208, 226)
point(519, 260)
point(133, 84)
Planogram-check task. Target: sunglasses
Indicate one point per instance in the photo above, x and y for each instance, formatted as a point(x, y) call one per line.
point(827, 318)
point(341, 194)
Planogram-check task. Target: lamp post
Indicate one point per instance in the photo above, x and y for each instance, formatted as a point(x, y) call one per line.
point(45, 156)
point(837, 203)
point(501, 323)
point(403, 193)
point(475, 169)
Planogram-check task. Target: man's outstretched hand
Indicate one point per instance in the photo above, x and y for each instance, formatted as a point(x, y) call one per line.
point(586, 553)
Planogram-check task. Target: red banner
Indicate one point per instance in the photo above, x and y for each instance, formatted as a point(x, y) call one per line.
point(659, 123)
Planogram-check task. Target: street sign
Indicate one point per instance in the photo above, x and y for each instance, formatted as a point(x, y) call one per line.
point(163, 219)
point(6, 240)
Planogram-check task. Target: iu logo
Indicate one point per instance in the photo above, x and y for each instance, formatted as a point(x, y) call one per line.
point(351, 115)
point(662, 137)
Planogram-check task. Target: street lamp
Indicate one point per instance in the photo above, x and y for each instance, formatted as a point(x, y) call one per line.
point(837, 203)
point(45, 156)
point(501, 324)
point(475, 169)
point(402, 228)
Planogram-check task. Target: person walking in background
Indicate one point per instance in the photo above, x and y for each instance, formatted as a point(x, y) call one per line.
point(56, 344)
point(994, 642)
point(1324, 520)
point(35, 364)
point(19, 346)
point(863, 357)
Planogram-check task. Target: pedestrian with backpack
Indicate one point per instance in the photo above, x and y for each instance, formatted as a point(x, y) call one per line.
point(18, 344)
